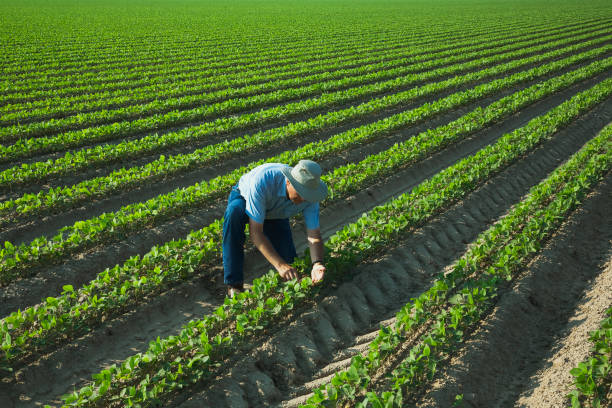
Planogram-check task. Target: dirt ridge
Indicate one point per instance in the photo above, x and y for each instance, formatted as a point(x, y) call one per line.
point(517, 347)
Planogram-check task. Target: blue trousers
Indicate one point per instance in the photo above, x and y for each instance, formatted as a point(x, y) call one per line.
point(235, 220)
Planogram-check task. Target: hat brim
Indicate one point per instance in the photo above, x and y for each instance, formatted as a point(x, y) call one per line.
point(310, 195)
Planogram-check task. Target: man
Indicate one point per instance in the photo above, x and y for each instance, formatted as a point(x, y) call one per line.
point(265, 198)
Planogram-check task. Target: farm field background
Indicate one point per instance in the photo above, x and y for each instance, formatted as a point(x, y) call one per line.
point(467, 147)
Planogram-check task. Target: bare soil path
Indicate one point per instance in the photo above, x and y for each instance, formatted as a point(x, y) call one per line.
point(553, 381)
point(522, 353)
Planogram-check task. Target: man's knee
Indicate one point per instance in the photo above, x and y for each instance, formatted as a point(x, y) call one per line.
point(235, 211)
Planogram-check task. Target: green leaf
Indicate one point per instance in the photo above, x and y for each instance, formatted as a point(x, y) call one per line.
point(6, 344)
point(455, 299)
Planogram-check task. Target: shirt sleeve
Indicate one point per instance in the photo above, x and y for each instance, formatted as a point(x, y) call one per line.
point(311, 216)
point(255, 202)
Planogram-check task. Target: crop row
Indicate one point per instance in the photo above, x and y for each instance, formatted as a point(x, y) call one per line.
point(111, 153)
point(122, 180)
point(122, 84)
point(442, 315)
point(223, 53)
point(146, 56)
point(173, 84)
point(19, 34)
point(593, 377)
point(195, 54)
point(191, 47)
point(192, 83)
point(114, 289)
point(177, 361)
point(189, 93)
point(390, 60)
point(241, 65)
point(142, 67)
point(140, 86)
point(233, 64)
point(59, 94)
point(107, 227)
point(139, 46)
point(176, 111)
point(71, 51)
point(86, 46)
point(19, 260)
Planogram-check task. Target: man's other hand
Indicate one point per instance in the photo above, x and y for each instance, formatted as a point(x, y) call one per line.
point(317, 273)
point(287, 272)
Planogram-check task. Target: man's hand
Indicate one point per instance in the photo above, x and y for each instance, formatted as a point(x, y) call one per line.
point(287, 272)
point(261, 242)
point(317, 273)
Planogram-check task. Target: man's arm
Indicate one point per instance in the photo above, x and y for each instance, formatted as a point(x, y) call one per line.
point(317, 251)
point(263, 244)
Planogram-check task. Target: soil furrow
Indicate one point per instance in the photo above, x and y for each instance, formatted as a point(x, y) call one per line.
point(550, 384)
point(521, 354)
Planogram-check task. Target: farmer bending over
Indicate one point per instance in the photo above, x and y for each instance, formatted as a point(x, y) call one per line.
point(265, 198)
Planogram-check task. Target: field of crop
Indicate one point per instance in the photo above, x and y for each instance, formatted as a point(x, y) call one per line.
point(467, 146)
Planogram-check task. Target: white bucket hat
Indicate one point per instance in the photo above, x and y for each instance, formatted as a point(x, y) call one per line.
point(305, 177)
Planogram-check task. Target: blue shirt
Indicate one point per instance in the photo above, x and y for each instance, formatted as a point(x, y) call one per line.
point(265, 191)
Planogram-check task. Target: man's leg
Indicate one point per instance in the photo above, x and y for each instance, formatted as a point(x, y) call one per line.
point(279, 234)
point(235, 220)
